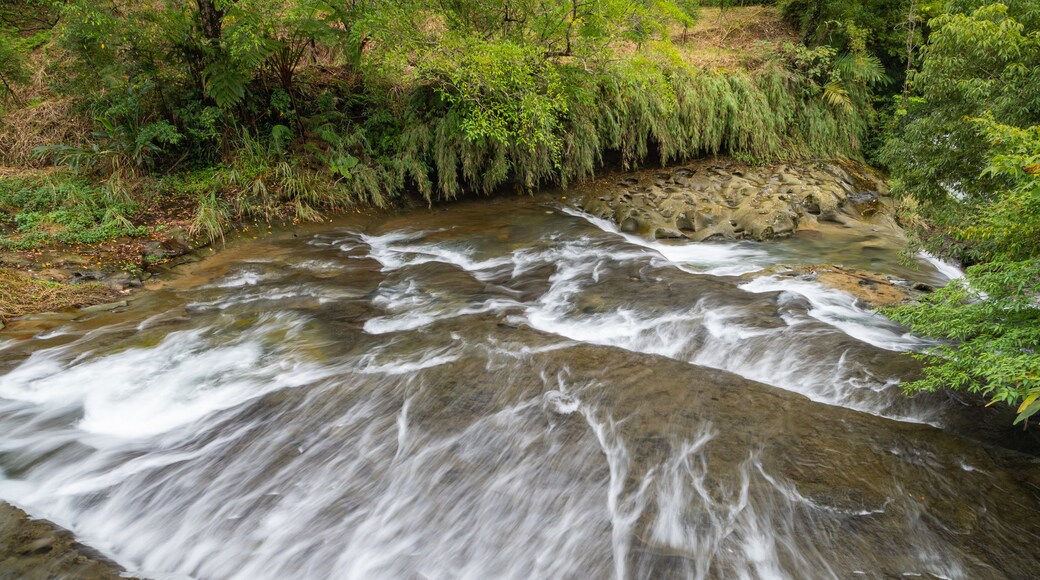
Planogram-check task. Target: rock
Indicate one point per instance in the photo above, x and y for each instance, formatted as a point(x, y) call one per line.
point(120, 281)
point(684, 223)
point(667, 234)
point(83, 276)
point(33, 549)
point(171, 247)
point(727, 201)
point(50, 316)
point(871, 288)
point(103, 307)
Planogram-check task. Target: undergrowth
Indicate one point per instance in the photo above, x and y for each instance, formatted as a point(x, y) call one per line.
point(297, 114)
point(41, 209)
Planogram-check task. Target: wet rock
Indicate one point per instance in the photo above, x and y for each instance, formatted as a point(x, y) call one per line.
point(50, 316)
point(103, 307)
point(38, 549)
point(668, 234)
point(684, 223)
point(171, 247)
point(875, 290)
point(120, 281)
point(83, 276)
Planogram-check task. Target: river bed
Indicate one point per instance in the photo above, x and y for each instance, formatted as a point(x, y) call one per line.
point(508, 389)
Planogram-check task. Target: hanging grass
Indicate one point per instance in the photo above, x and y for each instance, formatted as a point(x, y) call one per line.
point(638, 110)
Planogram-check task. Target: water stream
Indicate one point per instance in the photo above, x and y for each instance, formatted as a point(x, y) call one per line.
point(507, 389)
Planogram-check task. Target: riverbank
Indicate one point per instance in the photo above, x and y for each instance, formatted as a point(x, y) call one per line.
point(770, 201)
point(145, 187)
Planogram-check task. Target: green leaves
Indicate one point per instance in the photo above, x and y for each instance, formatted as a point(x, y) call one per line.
point(506, 92)
point(225, 83)
point(992, 321)
point(12, 66)
point(992, 318)
point(973, 63)
point(341, 164)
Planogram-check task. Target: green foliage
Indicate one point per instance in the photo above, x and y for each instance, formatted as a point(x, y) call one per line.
point(12, 66)
point(370, 98)
point(889, 27)
point(503, 92)
point(64, 209)
point(211, 218)
point(24, 24)
point(225, 82)
point(993, 322)
point(974, 63)
point(990, 321)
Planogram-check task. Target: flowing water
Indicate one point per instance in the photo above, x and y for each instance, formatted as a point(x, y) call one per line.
point(506, 389)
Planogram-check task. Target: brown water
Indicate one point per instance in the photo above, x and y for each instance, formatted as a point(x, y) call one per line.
point(506, 389)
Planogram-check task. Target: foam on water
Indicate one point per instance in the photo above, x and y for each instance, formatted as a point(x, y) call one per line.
point(141, 392)
point(842, 311)
point(396, 250)
point(246, 444)
point(950, 271)
point(714, 258)
point(411, 307)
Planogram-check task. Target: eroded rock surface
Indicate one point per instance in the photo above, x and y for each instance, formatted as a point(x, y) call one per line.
point(873, 289)
point(725, 200)
point(37, 549)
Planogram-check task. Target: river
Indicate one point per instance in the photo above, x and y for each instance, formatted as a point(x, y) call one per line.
point(507, 389)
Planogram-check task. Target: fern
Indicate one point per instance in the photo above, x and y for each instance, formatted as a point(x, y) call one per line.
point(225, 83)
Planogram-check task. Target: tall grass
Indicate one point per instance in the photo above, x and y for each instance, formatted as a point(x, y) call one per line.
point(637, 112)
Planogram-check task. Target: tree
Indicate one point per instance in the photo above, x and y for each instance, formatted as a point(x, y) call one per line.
point(989, 322)
point(12, 66)
point(973, 63)
point(967, 145)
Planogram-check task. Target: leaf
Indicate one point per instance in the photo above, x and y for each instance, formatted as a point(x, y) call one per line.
point(1028, 401)
point(1027, 412)
point(342, 164)
point(225, 83)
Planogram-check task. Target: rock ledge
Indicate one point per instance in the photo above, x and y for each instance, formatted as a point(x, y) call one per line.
point(725, 200)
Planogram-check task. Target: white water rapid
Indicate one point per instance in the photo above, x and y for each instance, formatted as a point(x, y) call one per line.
point(505, 390)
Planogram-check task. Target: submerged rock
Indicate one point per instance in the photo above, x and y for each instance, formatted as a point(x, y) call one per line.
point(724, 201)
point(872, 289)
point(103, 307)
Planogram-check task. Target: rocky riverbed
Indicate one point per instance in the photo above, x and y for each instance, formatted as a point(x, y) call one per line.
point(379, 397)
point(725, 200)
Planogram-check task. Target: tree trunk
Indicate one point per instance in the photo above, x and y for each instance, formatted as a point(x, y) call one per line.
point(210, 17)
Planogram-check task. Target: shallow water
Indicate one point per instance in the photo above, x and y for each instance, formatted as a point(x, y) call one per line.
point(507, 389)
